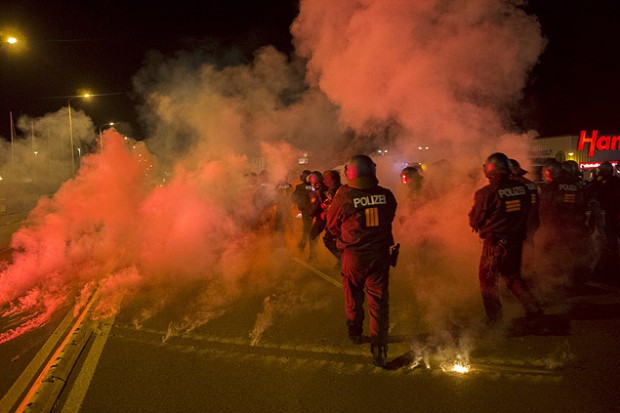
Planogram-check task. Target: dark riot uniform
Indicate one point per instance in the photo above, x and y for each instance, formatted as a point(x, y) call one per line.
point(563, 207)
point(361, 220)
point(533, 219)
point(564, 232)
point(500, 215)
point(604, 191)
point(329, 240)
point(301, 197)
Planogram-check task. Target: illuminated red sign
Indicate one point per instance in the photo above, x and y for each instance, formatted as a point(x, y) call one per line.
point(598, 143)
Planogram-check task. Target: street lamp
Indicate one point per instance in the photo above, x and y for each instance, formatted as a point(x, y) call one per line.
point(83, 96)
point(101, 132)
point(7, 39)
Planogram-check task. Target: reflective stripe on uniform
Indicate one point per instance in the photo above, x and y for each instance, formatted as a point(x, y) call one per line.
point(513, 205)
point(372, 217)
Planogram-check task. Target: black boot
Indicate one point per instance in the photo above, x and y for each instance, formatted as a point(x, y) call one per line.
point(379, 354)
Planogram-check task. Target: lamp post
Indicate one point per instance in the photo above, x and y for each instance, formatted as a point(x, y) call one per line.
point(84, 96)
point(101, 132)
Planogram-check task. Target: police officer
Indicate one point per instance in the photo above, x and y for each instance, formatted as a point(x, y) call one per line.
point(360, 217)
point(301, 197)
point(500, 215)
point(333, 183)
point(318, 196)
point(411, 178)
point(563, 223)
point(605, 190)
point(518, 174)
point(533, 222)
point(283, 205)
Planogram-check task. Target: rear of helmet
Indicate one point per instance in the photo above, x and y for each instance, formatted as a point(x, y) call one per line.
point(496, 164)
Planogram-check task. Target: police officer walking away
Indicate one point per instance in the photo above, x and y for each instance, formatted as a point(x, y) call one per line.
point(360, 217)
point(500, 215)
point(301, 197)
point(605, 190)
point(333, 182)
point(563, 225)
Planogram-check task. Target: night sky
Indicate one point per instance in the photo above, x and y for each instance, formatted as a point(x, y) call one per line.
point(72, 45)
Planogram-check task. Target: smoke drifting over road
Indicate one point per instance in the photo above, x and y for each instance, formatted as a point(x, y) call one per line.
point(147, 222)
point(447, 73)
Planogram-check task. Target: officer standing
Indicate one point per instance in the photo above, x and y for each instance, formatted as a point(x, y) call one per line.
point(499, 215)
point(318, 196)
point(563, 223)
point(301, 197)
point(518, 174)
point(606, 191)
point(533, 222)
point(411, 178)
point(360, 217)
point(333, 183)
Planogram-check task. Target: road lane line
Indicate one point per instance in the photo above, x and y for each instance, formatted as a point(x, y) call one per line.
point(37, 383)
point(85, 376)
point(22, 382)
point(318, 272)
point(355, 357)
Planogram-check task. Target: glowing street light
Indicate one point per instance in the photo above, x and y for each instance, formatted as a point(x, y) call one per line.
point(83, 96)
point(101, 132)
point(7, 39)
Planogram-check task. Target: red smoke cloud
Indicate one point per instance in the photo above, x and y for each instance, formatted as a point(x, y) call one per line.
point(443, 70)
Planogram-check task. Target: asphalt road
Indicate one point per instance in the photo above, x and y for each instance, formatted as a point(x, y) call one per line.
point(303, 362)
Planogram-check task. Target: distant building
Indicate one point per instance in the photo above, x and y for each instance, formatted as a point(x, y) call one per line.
point(589, 149)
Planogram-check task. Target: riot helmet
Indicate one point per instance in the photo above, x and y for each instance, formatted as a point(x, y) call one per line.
point(605, 169)
point(496, 164)
point(304, 175)
point(332, 178)
point(571, 168)
point(360, 166)
point(515, 168)
point(552, 171)
point(315, 179)
point(409, 174)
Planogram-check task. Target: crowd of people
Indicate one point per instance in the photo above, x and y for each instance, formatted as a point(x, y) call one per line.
point(564, 219)
point(559, 225)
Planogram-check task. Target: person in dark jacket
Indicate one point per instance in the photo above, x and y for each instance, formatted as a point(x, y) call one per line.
point(360, 217)
point(301, 198)
point(533, 222)
point(605, 191)
point(499, 216)
point(333, 183)
point(563, 227)
point(318, 196)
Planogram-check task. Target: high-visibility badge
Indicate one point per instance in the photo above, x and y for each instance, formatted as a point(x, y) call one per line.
point(513, 205)
point(372, 217)
point(569, 198)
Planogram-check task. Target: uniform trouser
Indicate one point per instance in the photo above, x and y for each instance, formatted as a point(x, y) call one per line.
point(367, 271)
point(306, 222)
point(503, 258)
point(315, 230)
